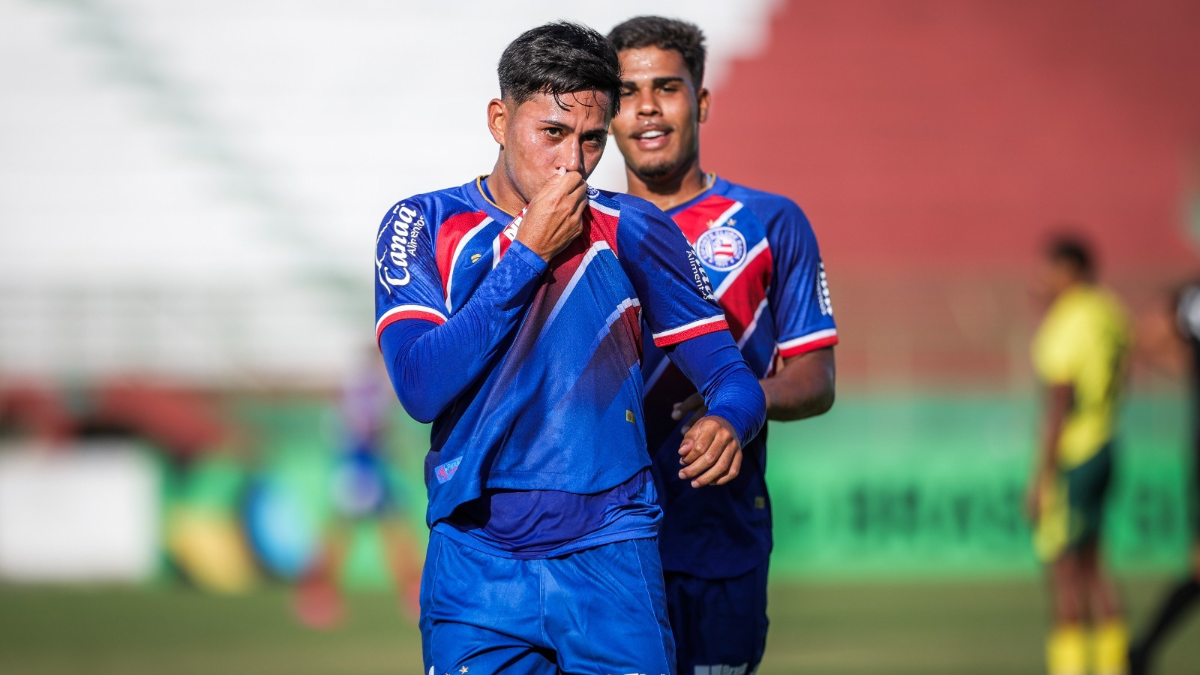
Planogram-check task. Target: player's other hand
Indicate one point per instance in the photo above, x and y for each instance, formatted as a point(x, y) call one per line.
point(691, 408)
point(555, 216)
point(711, 453)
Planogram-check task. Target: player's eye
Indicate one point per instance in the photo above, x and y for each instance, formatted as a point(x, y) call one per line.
point(627, 91)
point(554, 132)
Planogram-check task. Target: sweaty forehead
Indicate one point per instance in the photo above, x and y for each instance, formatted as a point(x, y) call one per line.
point(651, 62)
point(576, 109)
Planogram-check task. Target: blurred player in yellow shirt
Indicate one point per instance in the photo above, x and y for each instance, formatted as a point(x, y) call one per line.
point(1080, 354)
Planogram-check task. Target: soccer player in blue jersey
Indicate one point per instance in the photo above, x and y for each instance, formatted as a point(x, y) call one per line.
point(509, 313)
point(762, 257)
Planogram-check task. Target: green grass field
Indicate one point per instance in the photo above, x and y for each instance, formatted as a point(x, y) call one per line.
point(967, 628)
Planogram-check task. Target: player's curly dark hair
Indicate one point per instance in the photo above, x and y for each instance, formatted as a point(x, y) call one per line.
point(560, 58)
point(1072, 250)
point(667, 34)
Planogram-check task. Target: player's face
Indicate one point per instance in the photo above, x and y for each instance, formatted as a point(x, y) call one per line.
point(658, 128)
point(539, 136)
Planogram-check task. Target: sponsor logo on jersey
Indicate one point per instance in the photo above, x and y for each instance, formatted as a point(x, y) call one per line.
point(700, 277)
point(446, 471)
point(721, 248)
point(823, 292)
point(401, 232)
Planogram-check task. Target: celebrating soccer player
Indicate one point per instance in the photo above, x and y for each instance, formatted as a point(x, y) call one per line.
point(1080, 353)
point(761, 254)
point(510, 313)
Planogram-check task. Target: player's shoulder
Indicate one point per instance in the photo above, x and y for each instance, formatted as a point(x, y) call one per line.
point(429, 208)
point(634, 211)
point(762, 203)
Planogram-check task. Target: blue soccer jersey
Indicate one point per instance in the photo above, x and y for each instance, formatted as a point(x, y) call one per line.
point(547, 392)
point(762, 257)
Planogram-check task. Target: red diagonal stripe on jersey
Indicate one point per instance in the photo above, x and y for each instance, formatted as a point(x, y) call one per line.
point(448, 235)
point(695, 219)
point(602, 227)
point(746, 292)
point(554, 283)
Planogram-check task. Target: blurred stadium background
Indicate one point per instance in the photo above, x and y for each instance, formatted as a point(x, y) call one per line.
point(188, 198)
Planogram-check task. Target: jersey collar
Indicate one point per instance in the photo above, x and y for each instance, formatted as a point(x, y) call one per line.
point(479, 196)
point(716, 186)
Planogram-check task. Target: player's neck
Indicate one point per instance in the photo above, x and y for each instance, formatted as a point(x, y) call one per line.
point(503, 193)
point(672, 190)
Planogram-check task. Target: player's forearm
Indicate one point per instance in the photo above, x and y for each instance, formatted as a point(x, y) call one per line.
point(715, 366)
point(432, 365)
point(804, 387)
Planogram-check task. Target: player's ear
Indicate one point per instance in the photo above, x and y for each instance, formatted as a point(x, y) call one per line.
point(497, 115)
point(702, 101)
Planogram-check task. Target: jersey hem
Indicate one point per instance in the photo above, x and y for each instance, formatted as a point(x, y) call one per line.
point(584, 543)
point(808, 343)
point(407, 312)
point(686, 332)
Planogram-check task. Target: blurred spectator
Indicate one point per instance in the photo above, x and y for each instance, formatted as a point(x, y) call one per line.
point(362, 490)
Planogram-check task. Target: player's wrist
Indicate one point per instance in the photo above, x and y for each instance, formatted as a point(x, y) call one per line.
point(529, 255)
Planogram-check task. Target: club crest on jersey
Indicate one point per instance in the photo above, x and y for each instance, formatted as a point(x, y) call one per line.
point(446, 471)
point(592, 192)
point(721, 248)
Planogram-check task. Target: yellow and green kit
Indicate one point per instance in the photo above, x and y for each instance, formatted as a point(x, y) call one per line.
point(1083, 342)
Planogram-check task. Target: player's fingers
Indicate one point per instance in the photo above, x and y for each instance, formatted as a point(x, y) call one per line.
point(573, 185)
point(714, 446)
point(695, 461)
point(720, 467)
point(701, 436)
point(734, 469)
point(684, 449)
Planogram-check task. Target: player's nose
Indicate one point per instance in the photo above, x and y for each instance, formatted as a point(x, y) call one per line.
point(647, 103)
point(572, 157)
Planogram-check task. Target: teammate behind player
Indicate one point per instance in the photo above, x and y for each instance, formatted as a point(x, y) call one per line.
point(510, 312)
point(760, 252)
point(1079, 353)
point(1172, 339)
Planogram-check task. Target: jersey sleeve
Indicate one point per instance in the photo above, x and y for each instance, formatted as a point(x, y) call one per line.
point(1059, 353)
point(799, 293)
point(672, 286)
point(407, 283)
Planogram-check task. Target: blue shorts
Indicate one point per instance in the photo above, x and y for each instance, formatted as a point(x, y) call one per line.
point(593, 612)
point(720, 625)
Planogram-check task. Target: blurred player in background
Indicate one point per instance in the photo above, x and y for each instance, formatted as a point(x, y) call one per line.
point(362, 491)
point(1079, 353)
point(760, 252)
point(1171, 337)
point(510, 313)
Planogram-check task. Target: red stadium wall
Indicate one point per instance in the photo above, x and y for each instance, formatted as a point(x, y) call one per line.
point(935, 144)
